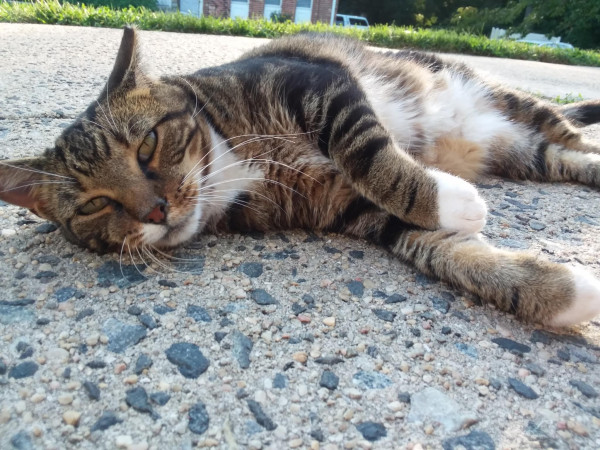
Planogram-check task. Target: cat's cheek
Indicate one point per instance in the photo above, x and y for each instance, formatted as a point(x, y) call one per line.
point(460, 206)
point(586, 304)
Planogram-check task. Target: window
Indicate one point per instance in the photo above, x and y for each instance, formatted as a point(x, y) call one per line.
point(359, 22)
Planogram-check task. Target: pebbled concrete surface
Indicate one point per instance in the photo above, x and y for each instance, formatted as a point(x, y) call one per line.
point(288, 340)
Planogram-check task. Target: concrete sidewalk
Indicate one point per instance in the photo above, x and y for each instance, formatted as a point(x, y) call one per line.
point(276, 341)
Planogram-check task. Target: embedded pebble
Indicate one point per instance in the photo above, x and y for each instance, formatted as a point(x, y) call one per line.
point(106, 420)
point(372, 431)
point(475, 440)
point(371, 380)
point(71, 417)
point(584, 388)
point(261, 418)
point(122, 335)
point(522, 389)
point(198, 418)
point(242, 346)
point(329, 380)
point(188, 358)
point(262, 297)
point(23, 370)
point(431, 404)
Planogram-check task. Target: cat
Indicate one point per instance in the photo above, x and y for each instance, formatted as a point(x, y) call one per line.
point(318, 132)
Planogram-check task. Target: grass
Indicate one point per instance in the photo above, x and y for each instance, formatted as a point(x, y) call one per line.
point(53, 12)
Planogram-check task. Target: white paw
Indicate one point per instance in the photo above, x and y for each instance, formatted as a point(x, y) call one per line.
point(585, 305)
point(460, 206)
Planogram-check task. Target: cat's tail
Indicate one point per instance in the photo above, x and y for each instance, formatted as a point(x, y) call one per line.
point(533, 289)
point(582, 114)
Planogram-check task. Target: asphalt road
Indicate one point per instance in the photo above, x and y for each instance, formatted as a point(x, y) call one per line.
point(82, 329)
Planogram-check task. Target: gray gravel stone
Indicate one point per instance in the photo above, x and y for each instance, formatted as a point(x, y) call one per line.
point(535, 369)
point(198, 313)
point(329, 380)
point(106, 420)
point(431, 405)
point(537, 225)
point(45, 228)
point(92, 390)
point(143, 362)
point(15, 314)
point(395, 298)
point(252, 269)
point(371, 380)
point(22, 441)
point(584, 388)
point(262, 297)
point(137, 398)
point(371, 431)
point(241, 348)
point(188, 358)
point(122, 335)
point(522, 389)
point(261, 418)
point(160, 398)
point(24, 370)
point(440, 304)
point(356, 288)
point(384, 314)
point(198, 418)
point(475, 440)
point(467, 349)
point(280, 381)
point(123, 276)
point(512, 346)
point(65, 293)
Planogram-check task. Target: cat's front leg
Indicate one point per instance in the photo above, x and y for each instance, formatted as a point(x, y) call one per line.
point(460, 207)
point(394, 181)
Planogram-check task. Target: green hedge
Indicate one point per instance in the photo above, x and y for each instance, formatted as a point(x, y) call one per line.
point(53, 12)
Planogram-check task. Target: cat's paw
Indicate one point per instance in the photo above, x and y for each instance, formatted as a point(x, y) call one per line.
point(586, 304)
point(460, 206)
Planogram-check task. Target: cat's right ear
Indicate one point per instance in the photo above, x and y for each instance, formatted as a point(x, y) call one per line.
point(126, 73)
point(20, 182)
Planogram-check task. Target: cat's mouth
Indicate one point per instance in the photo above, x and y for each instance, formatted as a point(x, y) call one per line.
point(170, 235)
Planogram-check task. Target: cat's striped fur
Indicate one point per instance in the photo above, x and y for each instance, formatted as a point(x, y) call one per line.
point(318, 132)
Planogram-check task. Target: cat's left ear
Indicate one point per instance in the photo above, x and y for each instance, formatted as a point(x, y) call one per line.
point(126, 73)
point(21, 183)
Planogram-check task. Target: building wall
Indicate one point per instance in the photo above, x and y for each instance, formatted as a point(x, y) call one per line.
point(288, 7)
point(321, 9)
point(257, 9)
point(216, 8)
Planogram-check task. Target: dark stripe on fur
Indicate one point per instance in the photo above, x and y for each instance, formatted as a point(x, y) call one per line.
point(335, 106)
point(355, 209)
point(540, 159)
point(358, 113)
point(362, 157)
point(514, 301)
point(412, 196)
point(391, 231)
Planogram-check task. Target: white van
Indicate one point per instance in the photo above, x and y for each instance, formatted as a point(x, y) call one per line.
point(359, 22)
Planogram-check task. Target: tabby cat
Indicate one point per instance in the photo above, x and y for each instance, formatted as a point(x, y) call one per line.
point(318, 132)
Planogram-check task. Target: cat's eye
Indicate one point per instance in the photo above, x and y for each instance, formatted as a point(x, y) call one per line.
point(147, 148)
point(93, 206)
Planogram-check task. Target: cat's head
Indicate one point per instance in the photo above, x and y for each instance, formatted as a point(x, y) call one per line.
point(124, 172)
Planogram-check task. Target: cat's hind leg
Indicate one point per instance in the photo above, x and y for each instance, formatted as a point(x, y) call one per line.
point(544, 144)
point(532, 289)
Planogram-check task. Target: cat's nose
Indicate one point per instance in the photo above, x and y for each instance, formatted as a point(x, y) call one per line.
point(158, 215)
